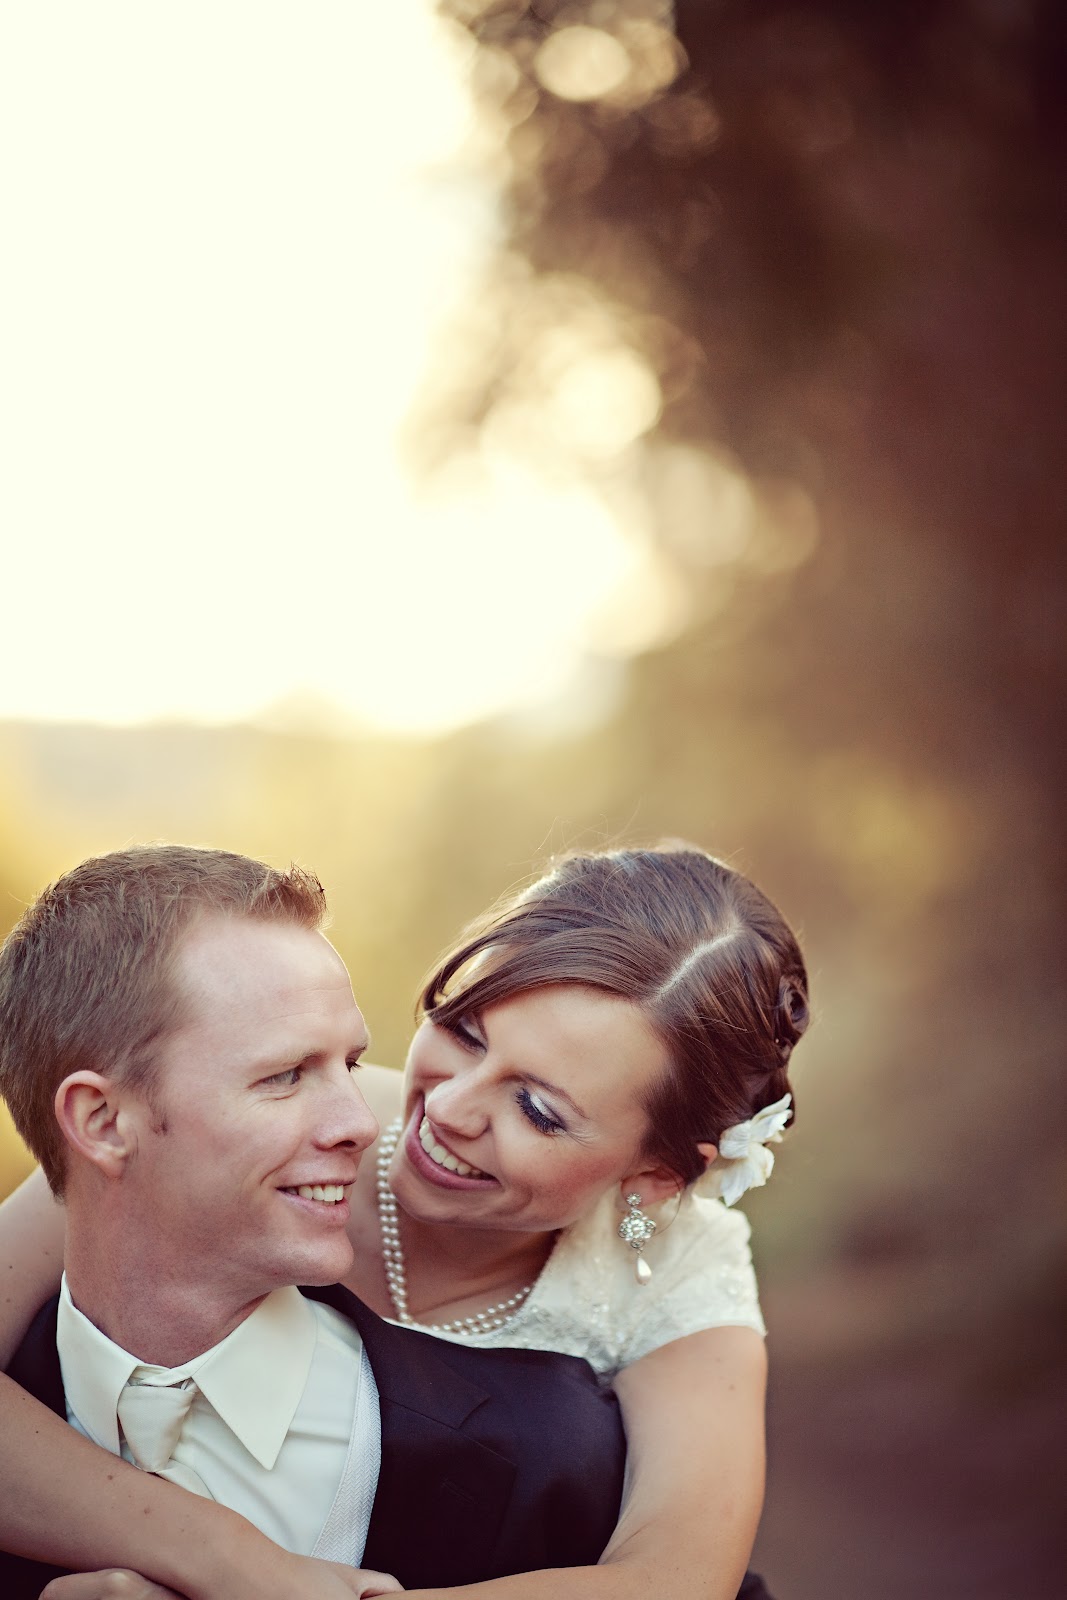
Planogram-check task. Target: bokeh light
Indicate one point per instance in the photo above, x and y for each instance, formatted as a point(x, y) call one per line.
point(232, 269)
point(444, 434)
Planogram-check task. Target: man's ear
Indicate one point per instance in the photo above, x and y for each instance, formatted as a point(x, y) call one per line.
point(95, 1121)
point(653, 1184)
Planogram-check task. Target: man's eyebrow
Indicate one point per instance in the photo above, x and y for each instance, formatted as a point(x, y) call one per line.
point(297, 1057)
point(554, 1088)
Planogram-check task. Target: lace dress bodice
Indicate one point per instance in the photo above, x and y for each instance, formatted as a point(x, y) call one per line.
point(588, 1303)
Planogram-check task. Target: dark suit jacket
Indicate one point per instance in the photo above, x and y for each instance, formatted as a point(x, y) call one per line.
point(493, 1461)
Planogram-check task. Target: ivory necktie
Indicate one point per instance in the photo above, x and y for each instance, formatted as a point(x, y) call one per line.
point(152, 1416)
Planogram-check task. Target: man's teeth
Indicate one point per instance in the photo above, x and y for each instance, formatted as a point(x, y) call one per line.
point(442, 1157)
point(330, 1192)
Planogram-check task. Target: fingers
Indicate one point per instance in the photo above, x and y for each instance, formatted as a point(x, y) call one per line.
point(114, 1583)
point(118, 1583)
point(374, 1583)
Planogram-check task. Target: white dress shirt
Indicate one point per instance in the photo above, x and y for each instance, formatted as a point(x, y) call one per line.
point(285, 1428)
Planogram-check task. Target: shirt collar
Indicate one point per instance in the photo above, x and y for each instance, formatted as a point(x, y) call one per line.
point(253, 1378)
point(95, 1372)
point(256, 1376)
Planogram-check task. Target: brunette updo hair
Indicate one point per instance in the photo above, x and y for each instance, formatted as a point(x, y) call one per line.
point(707, 958)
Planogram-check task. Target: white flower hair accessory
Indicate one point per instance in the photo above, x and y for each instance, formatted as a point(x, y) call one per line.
point(744, 1162)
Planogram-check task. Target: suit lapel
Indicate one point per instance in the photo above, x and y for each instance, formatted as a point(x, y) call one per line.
point(408, 1366)
point(442, 1493)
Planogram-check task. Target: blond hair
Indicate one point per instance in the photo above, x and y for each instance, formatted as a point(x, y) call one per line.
point(87, 974)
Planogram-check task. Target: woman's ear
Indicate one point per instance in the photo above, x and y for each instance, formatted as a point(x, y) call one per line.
point(709, 1152)
point(94, 1120)
point(653, 1184)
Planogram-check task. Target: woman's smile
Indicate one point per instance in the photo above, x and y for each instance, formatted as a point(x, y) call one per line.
point(432, 1159)
point(444, 1157)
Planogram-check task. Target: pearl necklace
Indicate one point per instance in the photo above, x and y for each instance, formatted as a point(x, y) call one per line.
point(486, 1321)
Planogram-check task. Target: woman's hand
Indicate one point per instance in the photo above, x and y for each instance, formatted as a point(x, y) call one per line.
point(115, 1583)
point(322, 1580)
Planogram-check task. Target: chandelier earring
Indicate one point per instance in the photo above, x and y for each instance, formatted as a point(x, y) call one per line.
point(636, 1229)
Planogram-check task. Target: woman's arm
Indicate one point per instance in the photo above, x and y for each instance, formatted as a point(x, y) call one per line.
point(68, 1502)
point(65, 1501)
point(118, 1583)
point(695, 1461)
point(694, 1421)
point(32, 1229)
point(694, 1414)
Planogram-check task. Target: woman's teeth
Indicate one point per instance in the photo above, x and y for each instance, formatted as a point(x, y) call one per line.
point(330, 1192)
point(441, 1157)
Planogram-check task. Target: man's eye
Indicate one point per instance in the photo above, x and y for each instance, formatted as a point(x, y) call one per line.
point(283, 1080)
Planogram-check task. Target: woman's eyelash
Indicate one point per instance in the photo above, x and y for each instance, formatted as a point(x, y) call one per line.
point(533, 1112)
point(464, 1034)
point(541, 1119)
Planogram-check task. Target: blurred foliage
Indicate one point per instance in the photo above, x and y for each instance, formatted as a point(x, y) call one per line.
point(833, 240)
point(785, 283)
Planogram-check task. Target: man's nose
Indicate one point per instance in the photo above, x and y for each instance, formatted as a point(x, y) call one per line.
point(346, 1118)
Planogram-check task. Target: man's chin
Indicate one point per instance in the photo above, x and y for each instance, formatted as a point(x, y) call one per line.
point(313, 1246)
point(324, 1267)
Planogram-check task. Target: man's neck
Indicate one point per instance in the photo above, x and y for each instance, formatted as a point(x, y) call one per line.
point(164, 1321)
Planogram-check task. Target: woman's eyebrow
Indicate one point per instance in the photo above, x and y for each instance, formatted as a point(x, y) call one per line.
point(554, 1088)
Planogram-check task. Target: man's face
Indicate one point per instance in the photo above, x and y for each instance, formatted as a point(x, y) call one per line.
point(255, 1102)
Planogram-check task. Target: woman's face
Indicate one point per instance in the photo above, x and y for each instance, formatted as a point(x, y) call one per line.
point(524, 1114)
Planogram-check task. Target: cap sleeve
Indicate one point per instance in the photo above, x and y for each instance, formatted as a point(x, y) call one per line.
point(702, 1277)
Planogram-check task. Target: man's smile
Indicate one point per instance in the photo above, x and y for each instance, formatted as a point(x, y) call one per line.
point(321, 1196)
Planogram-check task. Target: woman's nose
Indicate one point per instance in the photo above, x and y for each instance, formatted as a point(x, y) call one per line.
point(456, 1105)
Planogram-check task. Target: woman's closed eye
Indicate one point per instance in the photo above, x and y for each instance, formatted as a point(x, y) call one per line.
point(464, 1031)
point(534, 1110)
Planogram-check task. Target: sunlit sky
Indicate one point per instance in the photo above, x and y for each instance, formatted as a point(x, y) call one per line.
point(231, 233)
